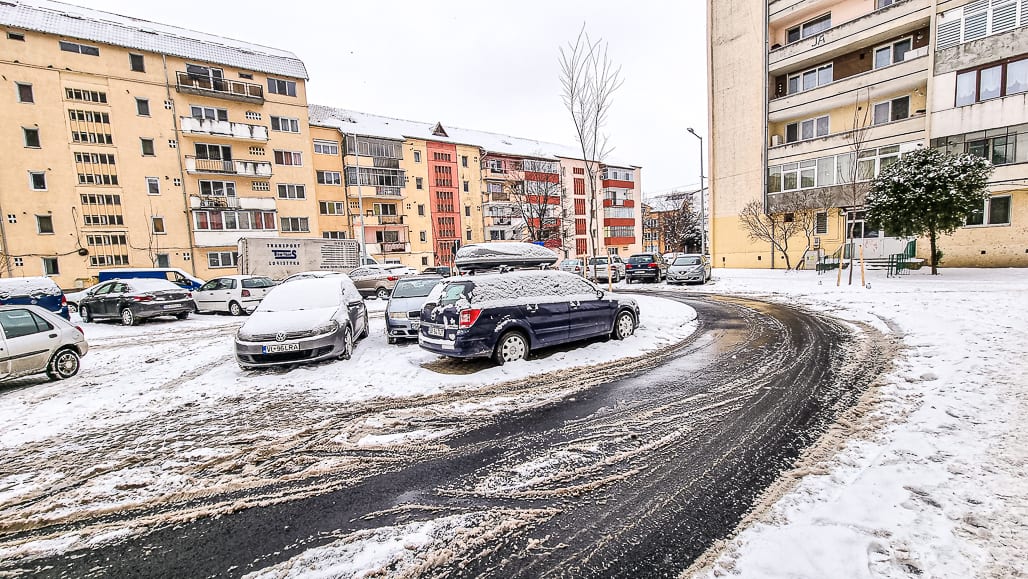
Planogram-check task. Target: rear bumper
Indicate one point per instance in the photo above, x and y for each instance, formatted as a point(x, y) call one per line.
point(458, 348)
point(642, 273)
point(154, 309)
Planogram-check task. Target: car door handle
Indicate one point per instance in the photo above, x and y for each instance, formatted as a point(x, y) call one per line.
point(53, 335)
point(532, 307)
point(575, 304)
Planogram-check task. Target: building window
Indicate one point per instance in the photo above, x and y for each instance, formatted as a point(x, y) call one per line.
point(89, 96)
point(142, 107)
point(996, 211)
point(998, 150)
point(417, 156)
point(153, 186)
point(290, 191)
point(16, 36)
point(879, 4)
point(892, 53)
point(332, 207)
point(464, 160)
point(993, 81)
point(218, 188)
point(810, 79)
point(216, 259)
point(282, 87)
point(163, 260)
point(809, 28)
point(421, 209)
point(821, 223)
point(12, 218)
point(246, 75)
point(424, 260)
point(79, 48)
point(326, 147)
point(50, 266)
point(333, 234)
point(894, 110)
point(19, 262)
point(288, 158)
point(256, 151)
point(146, 145)
point(136, 63)
point(210, 113)
point(468, 235)
point(329, 177)
point(467, 211)
point(285, 124)
point(466, 185)
point(253, 116)
point(157, 225)
point(295, 224)
point(31, 137)
point(808, 129)
point(44, 224)
point(234, 220)
point(385, 209)
point(37, 180)
point(423, 236)
point(25, 94)
point(419, 183)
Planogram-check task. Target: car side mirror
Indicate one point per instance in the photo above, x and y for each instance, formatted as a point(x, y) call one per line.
point(599, 294)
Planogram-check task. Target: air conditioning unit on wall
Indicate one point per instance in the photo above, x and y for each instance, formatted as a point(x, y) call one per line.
point(775, 140)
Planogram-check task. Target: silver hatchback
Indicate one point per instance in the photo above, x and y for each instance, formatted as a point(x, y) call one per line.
point(34, 341)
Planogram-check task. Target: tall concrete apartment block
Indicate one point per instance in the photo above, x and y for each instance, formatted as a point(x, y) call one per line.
point(809, 97)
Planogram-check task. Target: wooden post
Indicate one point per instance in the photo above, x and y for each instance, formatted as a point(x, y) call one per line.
point(838, 266)
point(862, 282)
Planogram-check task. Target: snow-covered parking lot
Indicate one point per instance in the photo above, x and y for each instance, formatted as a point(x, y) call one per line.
point(161, 413)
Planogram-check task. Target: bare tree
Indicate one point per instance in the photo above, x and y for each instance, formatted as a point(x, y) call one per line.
point(777, 229)
point(535, 193)
point(589, 79)
point(855, 188)
point(805, 206)
point(678, 224)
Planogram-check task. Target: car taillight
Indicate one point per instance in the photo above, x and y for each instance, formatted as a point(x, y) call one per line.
point(392, 278)
point(64, 300)
point(79, 328)
point(189, 294)
point(468, 318)
point(652, 265)
point(143, 298)
point(245, 293)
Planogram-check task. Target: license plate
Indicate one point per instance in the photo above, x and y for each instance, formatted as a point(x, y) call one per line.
point(434, 331)
point(169, 306)
point(415, 325)
point(275, 348)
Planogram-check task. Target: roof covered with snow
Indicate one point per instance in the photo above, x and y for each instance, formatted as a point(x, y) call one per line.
point(81, 23)
point(369, 125)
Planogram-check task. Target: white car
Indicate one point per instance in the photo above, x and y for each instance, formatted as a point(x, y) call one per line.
point(234, 294)
point(75, 297)
point(35, 340)
point(310, 274)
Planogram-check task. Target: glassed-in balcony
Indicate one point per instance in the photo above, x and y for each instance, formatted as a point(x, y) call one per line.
point(246, 168)
point(216, 128)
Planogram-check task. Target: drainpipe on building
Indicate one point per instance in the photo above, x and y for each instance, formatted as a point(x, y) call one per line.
point(360, 198)
point(181, 169)
point(3, 239)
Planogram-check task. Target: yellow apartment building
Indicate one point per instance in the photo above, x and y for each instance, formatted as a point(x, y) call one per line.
point(812, 98)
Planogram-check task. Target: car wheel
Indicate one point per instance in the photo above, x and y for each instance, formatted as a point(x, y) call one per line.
point(72, 308)
point(85, 314)
point(382, 293)
point(512, 346)
point(182, 315)
point(235, 309)
point(64, 364)
point(624, 325)
point(617, 277)
point(128, 318)
point(347, 344)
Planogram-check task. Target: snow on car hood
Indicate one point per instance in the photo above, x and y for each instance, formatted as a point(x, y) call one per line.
point(287, 321)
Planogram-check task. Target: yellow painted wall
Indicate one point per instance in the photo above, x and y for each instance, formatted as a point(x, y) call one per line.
point(421, 251)
point(841, 119)
point(987, 245)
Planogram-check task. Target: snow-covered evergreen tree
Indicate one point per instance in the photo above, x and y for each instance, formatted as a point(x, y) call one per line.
point(927, 193)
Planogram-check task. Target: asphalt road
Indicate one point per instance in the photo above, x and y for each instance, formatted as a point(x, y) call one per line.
point(659, 465)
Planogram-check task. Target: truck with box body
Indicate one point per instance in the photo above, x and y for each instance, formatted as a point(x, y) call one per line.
point(280, 257)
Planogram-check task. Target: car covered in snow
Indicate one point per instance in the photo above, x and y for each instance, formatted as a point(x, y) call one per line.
point(378, 280)
point(36, 340)
point(606, 268)
point(34, 291)
point(306, 320)
point(571, 265)
point(135, 300)
point(403, 312)
point(503, 254)
point(507, 315)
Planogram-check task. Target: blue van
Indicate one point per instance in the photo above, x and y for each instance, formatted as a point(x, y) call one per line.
point(33, 291)
point(172, 274)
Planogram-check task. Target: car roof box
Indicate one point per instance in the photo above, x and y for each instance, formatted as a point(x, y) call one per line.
point(503, 254)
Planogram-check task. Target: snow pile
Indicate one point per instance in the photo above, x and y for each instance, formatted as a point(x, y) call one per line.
point(929, 474)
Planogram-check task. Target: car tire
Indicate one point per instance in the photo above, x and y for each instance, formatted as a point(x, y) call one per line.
point(182, 315)
point(347, 352)
point(234, 309)
point(624, 325)
point(617, 277)
point(128, 318)
point(510, 347)
point(382, 293)
point(63, 364)
point(72, 308)
point(85, 314)
point(367, 328)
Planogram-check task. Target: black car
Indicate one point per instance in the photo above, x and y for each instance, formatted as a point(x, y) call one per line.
point(134, 300)
point(649, 266)
point(506, 315)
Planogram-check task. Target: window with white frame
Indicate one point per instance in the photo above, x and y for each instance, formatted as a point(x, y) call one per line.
point(79, 48)
point(285, 124)
point(332, 207)
point(282, 87)
point(292, 191)
point(996, 211)
point(333, 234)
point(215, 220)
point(979, 19)
point(893, 52)
point(217, 188)
point(45, 224)
point(295, 224)
point(37, 180)
point(216, 259)
point(288, 158)
point(385, 209)
point(810, 79)
point(892, 110)
point(326, 147)
point(157, 225)
point(153, 186)
point(808, 28)
point(831, 170)
point(806, 129)
point(329, 177)
point(208, 113)
point(50, 266)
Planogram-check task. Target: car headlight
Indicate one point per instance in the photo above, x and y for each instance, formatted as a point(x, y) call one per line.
point(246, 337)
point(398, 315)
point(327, 328)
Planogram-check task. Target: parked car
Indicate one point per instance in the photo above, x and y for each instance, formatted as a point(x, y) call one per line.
point(235, 294)
point(597, 268)
point(36, 340)
point(73, 298)
point(403, 312)
point(689, 268)
point(649, 266)
point(572, 265)
point(135, 300)
point(375, 280)
point(172, 274)
point(400, 269)
point(310, 274)
point(440, 270)
point(507, 315)
point(33, 291)
point(672, 256)
point(306, 320)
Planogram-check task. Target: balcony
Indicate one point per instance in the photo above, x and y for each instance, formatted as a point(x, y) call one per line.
point(218, 202)
point(219, 87)
point(901, 131)
point(374, 191)
point(213, 128)
point(877, 26)
point(244, 168)
point(371, 220)
point(393, 247)
point(904, 76)
point(215, 201)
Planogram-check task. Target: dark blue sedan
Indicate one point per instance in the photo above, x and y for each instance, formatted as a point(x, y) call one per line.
point(507, 315)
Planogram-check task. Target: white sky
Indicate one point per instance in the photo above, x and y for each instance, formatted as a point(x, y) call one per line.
point(482, 65)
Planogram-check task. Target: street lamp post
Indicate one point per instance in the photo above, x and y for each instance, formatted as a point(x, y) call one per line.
point(703, 211)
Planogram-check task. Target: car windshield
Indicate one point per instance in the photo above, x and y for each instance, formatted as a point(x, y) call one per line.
point(642, 258)
point(258, 282)
point(303, 294)
point(414, 288)
point(687, 261)
point(572, 262)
